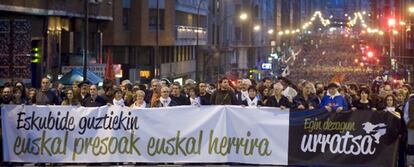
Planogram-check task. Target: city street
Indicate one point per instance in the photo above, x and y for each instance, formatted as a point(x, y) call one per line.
point(207, 83)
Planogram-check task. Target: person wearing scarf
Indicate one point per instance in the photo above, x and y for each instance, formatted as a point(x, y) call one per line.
point(118, 100)
point(194, 98)
point(139, 100)
point(333, 100)
point(165, 100)
point(252, 100)
point(391, 106)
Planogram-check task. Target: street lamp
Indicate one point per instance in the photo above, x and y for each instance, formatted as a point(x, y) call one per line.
point(270, 31)
point(256, 28)
point(411, 9)
point(243, 16)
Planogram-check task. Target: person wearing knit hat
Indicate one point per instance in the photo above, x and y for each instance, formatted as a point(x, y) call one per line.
point(333, 100)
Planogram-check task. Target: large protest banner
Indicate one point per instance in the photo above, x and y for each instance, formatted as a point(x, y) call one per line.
point(216, 134)
point(207, 134)
point(360, 138)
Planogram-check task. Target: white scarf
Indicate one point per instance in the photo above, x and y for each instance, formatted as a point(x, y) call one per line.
point(195, 101)
point(143, 105)
point(252, 102)
point(165, 101)
point(333, 96)
point(390, 109)
point(244, 95)
point(118, 102)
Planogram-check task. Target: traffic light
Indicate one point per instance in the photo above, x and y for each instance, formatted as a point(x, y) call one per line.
point(250, 73)
point(36, 52)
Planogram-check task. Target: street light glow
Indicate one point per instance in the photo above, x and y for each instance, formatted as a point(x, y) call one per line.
point(256, 28)
point(270, 31)
point(411, 9)
point(243, 16)
point(370, 54)
point(391, 22)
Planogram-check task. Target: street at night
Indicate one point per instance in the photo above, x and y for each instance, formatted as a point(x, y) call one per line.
point(207, 83)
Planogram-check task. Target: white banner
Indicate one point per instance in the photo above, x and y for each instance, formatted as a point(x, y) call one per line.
point(185, 134)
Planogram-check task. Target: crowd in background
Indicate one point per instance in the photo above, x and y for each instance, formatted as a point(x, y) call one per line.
point(329, 58)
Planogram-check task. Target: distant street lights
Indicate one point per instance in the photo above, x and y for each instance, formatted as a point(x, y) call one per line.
point(411, 9)
point(270, 31)
point(256, 28)
point(243, 16)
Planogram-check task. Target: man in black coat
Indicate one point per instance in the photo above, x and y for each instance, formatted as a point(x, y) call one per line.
point(205, 97)
point(177, 96)
point(93, 100)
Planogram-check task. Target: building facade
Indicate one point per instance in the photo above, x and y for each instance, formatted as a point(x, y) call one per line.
point(241, 31)
point(56, 28)
point(157, 37)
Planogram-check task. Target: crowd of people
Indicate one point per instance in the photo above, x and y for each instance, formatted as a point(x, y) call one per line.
point(307, 88)
point(281, 92)
point(329, 58)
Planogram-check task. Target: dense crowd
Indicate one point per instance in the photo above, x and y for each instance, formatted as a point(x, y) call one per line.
point(329, 58)
point(161, 93)
point(282, 93)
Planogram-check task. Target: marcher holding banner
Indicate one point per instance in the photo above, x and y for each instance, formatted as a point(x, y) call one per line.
point(333, 101)
point(165, 99)
point(139, 100)
point(94, 100)
point(371, 134)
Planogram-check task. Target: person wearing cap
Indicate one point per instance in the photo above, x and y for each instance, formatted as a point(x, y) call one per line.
point(333, 100)
point(165, 82)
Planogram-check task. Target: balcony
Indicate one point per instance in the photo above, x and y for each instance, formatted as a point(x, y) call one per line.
point(187, 35)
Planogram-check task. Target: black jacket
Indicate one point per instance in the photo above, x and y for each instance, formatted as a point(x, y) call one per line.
point(284, 101)
point(206, 99)
point(180, 100)
point(300, 100)
point(89, 102)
